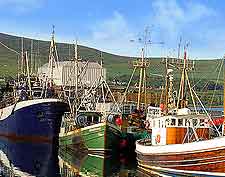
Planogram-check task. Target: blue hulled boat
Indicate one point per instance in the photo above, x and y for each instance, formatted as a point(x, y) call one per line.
point(35, 120)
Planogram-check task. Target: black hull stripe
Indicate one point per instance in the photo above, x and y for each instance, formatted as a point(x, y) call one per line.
point(188, 165)
point(178, 161)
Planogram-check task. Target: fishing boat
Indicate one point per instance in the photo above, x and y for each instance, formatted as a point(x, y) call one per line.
point(183, 141)
point(94, 121)
point(93, 131)
point(32, 111)
point(35, 120)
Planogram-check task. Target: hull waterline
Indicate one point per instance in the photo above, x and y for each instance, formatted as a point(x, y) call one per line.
point(202, 156)
point(33, 120)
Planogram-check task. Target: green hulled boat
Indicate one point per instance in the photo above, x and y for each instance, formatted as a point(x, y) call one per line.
point(101, 137)
point(97, 137)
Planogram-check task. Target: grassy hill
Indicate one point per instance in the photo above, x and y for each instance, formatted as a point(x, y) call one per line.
point(8, 59)
point(117, 66)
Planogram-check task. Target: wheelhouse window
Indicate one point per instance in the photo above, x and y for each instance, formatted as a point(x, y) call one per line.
point(173, 122)
point(195, 122)
point(180, 122)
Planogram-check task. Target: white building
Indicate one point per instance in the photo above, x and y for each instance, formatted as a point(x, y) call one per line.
point(64, 75)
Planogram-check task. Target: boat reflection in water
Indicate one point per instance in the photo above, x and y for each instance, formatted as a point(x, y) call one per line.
point(83, 164)
point(28, 159)
point(76, 163)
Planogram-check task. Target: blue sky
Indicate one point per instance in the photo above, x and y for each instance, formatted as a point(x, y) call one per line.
point(109, 25)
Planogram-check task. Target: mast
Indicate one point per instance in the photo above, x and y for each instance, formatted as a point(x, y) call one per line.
point(53, 58)
point(179, 45)
point(140, 79)
point(22, 57)
point(181, 103)
point(28, 72)
point(76, 77)
point(141, 64)
point(169, 98)
point(31, 57)
point(166, 88)
point(76, 68)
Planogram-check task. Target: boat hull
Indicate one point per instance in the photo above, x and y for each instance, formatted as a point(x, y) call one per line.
point(99, 138)
point(204, 156)
point(33, 120)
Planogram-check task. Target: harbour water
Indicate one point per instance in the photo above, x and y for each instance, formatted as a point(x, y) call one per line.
point(47, 160)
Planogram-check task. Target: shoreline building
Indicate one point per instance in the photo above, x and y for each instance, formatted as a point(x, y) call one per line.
point(89, 73)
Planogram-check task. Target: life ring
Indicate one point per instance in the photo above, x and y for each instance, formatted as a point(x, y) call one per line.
point(157, 138)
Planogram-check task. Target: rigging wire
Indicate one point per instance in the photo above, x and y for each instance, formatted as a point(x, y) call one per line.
point(221, 66)
point(215, 70)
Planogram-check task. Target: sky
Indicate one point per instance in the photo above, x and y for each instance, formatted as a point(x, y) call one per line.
point(116, 26)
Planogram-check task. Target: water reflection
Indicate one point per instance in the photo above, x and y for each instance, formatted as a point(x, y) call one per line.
point(76, 163)
point(46, 160)
point(28, 159)
point(73, 163)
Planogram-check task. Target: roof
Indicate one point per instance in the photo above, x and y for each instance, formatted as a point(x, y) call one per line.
point(80, 64)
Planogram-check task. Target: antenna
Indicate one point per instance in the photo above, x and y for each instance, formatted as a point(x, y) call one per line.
point(145, 40)
point(179, 45)
point(53, 31)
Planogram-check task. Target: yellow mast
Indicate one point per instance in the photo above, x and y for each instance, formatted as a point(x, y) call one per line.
point(142, 64)
point(140, 80)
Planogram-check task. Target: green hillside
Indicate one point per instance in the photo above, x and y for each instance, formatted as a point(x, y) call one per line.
point(8, 59)
point(117, 66)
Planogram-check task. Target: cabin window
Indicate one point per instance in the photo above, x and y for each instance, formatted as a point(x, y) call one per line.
point(96, 119)
point(167, 122)
point(195, 122)
point(89, 119)
point(187, 123)
point(202, 121)
point(173, 122)
point(180, 122)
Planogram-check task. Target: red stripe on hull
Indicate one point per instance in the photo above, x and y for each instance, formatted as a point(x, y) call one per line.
point(15, 137)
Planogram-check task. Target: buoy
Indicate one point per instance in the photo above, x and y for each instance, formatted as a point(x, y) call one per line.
point(161, 106)
point(119, 121)
point(157, 138)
